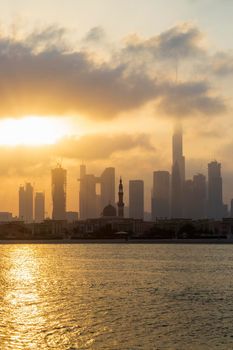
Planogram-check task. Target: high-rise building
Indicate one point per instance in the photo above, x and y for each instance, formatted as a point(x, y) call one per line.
point(188, 205)
point(199, 196)
point(176, 193)
point(136, 199)
point(88, 199)
point(107, 187)
point(231, 212)
point(194, 199)
point(215, 203)
point(59, 193)
point(39, 207)
point(120, 203)
point(178, 173)
point(160, 201)
point(26, 203)
point(21, 203)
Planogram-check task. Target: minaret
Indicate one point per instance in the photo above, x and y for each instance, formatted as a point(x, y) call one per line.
point(120, 203)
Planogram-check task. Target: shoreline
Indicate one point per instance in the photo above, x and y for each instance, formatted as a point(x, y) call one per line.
point(120, 241)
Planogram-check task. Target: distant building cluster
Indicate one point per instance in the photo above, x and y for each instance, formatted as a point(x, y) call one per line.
point(30, 208)
point(172, 196)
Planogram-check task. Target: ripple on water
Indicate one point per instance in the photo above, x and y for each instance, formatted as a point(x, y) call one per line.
point(112, 297)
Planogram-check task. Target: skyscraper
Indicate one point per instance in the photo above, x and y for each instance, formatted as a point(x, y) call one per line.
point(136, 199)
point(188, 205)
point(39, 207)
point(120, 203)
point(215, 203)
point(59, 193)
point(21, 203)
point(178, 173)
point(26, 203)
point(88, 199)
point(107, 187)
point(199, 196)
point(231, 212)
point(160, 195)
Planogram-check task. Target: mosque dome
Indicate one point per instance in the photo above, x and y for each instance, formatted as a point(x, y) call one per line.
point(109, 210)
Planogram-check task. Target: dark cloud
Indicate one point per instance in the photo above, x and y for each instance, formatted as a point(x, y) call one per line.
point(192, 98)
point(180, 42)
point(40, 75)
point(54, 82)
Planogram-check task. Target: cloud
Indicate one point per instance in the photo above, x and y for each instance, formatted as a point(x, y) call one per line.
point(192, 98)
point(95, 34)
point(179, 42)
point(42, 75)
point(101, 146)
point(55, 82)
point(51, 37)
point(222, 64)
point(23, 160)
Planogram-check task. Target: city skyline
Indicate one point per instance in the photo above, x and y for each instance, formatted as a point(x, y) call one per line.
point(116, 174)
point(172, 194)
point(183, 72)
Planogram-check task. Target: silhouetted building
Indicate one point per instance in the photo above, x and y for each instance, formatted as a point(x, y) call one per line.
point(120, 203)
point(178, 173)
point(6, 216)
point(215, 203)
point(231, 213)
point(136, 199)
point(39, 207)
point(109, 211)
point(225, 212)
point(160, 207)
point(26, 203)
point(88, 200)
point(71, 216)
point(59, 193)
point(21, 203)
point(188, 199)
point(176, 193)
point(199, 196)
point(107, 187)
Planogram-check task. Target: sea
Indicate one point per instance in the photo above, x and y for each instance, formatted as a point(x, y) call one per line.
point(116, 296)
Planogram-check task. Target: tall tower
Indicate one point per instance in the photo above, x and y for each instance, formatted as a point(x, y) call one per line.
point(59, 193)
point(88, 199)
point(26, 203)
point(21, 203)
point(215, 203)
point(120, 203)
point(39, 207)
point(178, 173)
point(136, 199)
point(160, 195)
point(107, 186)
point(199, 196)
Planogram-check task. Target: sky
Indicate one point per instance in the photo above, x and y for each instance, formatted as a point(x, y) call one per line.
point(104, 82)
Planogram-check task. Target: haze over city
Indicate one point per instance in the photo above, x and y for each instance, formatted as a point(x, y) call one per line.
point(77, 86)
point(116, 174)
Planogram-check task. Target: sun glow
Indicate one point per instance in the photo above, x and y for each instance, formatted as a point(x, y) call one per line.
point(32, 131)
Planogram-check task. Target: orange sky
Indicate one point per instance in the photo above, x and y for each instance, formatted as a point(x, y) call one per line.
point(85, 88)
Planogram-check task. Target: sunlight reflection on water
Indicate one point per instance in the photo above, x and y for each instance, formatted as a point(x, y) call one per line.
point(116, 297)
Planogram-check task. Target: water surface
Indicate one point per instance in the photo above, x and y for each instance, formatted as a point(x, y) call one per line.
point(122, 296)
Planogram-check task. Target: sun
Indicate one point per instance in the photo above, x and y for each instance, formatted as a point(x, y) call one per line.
point(32, 130)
